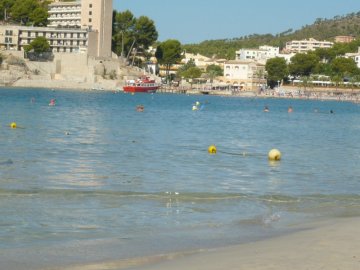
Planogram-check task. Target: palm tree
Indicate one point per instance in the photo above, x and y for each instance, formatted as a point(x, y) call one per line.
point(259, 73)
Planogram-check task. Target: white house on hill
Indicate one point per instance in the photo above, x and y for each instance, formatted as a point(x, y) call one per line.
point(261, 54)
point(355, 56)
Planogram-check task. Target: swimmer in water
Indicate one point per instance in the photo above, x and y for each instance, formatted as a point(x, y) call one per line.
point(290, 109)
point(266, 109)
point(140, 108)
point(52, 102)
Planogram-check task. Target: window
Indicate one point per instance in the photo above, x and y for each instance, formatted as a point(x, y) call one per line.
point(90, 20)
point(90, 12)
point(8, 32)
point(90, 5)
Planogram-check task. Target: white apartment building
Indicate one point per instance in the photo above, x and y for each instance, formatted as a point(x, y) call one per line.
point(60, 40)
point(74, 27)
point(261, 54)
point(302, 46)
point(65, 15)
point(355, 56)
point(271, 51)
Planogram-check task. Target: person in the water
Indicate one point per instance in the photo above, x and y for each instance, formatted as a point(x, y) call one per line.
point(52, 102)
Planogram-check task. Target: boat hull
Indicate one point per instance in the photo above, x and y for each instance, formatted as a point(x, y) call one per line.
point(140, 89)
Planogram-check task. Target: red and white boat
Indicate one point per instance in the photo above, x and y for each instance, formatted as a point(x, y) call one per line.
point(141, 85)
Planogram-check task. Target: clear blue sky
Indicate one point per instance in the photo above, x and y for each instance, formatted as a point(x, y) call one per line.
point(193, 21)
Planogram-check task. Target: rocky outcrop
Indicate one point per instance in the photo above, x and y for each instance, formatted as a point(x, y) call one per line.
point(12, 69)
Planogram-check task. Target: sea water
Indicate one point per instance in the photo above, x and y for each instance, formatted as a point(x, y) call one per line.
point(91, 179)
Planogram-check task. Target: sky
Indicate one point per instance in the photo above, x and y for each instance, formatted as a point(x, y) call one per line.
point(193, 21)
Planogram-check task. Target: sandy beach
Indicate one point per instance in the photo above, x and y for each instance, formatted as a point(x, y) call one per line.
point(327, 245)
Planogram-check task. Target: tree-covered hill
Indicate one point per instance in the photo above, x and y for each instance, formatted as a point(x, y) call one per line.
point(321, 29)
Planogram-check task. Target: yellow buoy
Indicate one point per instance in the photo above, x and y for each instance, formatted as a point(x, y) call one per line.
point(274, 155)
point(195, 108)
point(13, 125)
point(197, 103)
point(212, 149)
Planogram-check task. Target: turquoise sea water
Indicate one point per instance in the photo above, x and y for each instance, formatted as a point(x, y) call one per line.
point(91, 179)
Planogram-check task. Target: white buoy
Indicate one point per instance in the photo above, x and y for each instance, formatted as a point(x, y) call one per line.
point(274, 155)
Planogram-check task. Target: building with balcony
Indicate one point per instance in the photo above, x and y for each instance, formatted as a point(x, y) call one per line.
point(247, 74)
point(303, 46)
point(60, 40)
point(74, 27)
point(344, 39)
point(65, 15)
point(261, 54)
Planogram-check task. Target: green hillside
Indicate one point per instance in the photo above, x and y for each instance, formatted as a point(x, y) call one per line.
point(321, 29)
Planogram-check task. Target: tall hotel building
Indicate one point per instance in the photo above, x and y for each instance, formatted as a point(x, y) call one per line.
point(73, 27)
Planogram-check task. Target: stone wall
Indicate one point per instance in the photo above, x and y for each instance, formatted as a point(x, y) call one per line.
point(67, 70)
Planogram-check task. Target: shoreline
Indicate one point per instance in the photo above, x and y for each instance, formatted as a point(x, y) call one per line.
point(330, 244)
point(344, 96)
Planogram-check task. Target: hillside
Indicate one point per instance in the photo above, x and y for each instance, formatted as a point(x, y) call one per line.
point(321, 29)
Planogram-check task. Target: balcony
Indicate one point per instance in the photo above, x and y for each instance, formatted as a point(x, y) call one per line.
point(64, 10)
point(65, 18)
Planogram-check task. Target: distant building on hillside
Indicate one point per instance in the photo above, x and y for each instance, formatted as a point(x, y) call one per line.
point(200, 61)
point(74, 27)
point(302, 46)
point(344, 39)
point(355, 56)
point(261, 54)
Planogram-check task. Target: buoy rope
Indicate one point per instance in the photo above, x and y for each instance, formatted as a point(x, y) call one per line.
point(244, 154)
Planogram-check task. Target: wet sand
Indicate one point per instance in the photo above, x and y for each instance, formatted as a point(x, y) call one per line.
point(333, 244)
